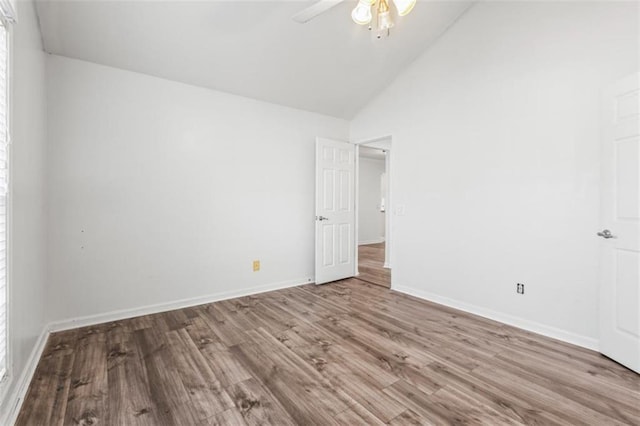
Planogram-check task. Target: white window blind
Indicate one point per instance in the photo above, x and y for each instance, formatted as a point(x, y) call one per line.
point(4, 186)
point(7, 17)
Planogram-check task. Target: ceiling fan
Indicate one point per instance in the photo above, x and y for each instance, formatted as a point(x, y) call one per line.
point(361, 14)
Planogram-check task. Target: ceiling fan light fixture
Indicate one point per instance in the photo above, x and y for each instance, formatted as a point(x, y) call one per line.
point(361, 14)
point(404, 6)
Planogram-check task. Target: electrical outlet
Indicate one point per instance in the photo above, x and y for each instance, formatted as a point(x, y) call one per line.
point(520, 288)
point(256, 265)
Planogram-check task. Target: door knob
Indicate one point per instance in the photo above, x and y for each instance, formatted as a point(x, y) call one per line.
point(322, 218)
point(606, 234)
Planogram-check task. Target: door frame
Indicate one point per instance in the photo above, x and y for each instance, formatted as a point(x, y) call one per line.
point(388, 217)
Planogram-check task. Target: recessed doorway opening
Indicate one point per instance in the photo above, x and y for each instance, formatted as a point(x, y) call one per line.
point(373, 206)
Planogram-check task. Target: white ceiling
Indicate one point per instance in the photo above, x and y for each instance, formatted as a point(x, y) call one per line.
point(251, 48)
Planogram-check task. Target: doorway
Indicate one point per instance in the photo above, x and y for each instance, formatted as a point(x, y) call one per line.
point(373, 230)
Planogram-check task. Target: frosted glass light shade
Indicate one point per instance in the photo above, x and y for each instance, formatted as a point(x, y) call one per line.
point(384, 16)
point(404, 6)
point(361, 14)
point(384, 21)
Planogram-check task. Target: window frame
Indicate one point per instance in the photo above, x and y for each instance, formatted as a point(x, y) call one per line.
point(6, 377)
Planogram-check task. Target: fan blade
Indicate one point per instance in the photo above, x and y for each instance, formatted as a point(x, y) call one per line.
point(314, 10)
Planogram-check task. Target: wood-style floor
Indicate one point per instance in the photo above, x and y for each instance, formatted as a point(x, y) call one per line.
point(344, 353)
point(371, 265)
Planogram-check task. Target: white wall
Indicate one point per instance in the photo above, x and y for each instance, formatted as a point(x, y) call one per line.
point(370, 218)
point(161, 191)
point(496, 160)
point(28, 251)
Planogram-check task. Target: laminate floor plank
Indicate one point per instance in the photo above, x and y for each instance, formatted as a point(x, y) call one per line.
point(299, 305)
point(205, 391)
point(231, 417)
point(228, 329)
point(408, 418)
point(257, 405)
point(557, 373)
point(571, 391)
point(510, 397)
point(287, 386)
point(557, 404)
point(138, 323)
point(372, 398)
point(87, 400)
point(304, 384)
point(464, 409)
point(577, 373)
point(335, 357)
point(602, 367)
point(380, 342)
point(338, 362)
point(227, 368)
point(345, 353)
point(62, 342)
point(357, 415)
point(129, 396)
point(274, 319)
point(443, 336)
point(321, 303)
point(203, 336)
point(167, 390)
point(453, 348)
point(49, 391)
point(307, 335)
point(420, 403)
point(176, 320)
point(239, 315)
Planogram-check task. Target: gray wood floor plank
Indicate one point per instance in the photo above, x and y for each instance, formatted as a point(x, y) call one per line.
point(128, 386)
point(87, 400)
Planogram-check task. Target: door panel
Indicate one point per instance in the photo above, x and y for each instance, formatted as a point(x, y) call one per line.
point(335, 210)
point(328, 184)
point(328, 258)
point(345, 244)
point(627, 187)
point(627, 292)
point(620, 282)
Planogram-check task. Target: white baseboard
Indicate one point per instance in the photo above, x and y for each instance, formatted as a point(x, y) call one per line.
point(13, 400)
point(374, 241)
point(70, 323)
point(535, 327)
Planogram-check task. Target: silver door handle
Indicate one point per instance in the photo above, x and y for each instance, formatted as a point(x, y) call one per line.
point(606, 234)
point(321, 218)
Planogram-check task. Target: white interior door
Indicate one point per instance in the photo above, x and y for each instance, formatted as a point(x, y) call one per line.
point(335, 210)
point(620, 286)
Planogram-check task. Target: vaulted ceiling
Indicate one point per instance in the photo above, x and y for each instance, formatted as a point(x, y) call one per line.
point(251, 48)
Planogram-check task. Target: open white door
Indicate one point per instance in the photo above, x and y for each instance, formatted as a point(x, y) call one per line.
point(620, 286)
point(335, 210)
